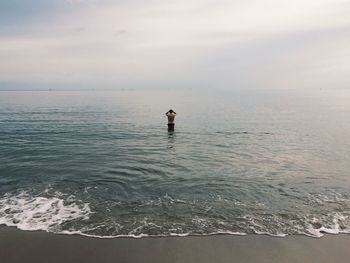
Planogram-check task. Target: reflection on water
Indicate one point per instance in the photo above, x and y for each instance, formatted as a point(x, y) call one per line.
point(251, 162)
point(171, 136)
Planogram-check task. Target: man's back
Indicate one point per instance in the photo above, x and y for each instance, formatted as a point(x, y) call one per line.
point(171, 116)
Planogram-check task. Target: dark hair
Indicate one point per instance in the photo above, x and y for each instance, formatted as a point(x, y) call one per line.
point(171, 111)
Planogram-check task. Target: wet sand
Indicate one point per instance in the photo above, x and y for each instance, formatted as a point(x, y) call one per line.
point(38, 246)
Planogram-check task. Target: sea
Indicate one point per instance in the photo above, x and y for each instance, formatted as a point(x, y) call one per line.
point(105, 164)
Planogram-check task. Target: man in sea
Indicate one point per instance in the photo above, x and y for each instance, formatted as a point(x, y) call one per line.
point(171, 117)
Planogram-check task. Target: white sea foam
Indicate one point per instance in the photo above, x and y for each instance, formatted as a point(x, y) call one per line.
point(270, 234)
point(334, 229)
point(146, 235)
point(27, 212)
point(40, 213)
point(310, 231)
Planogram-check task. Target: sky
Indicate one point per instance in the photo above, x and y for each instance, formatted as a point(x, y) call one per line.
point(206, 44)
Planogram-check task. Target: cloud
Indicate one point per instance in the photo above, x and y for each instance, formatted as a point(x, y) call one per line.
point(210, 43)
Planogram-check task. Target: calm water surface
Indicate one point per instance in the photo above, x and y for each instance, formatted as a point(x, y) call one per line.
point(104, 163)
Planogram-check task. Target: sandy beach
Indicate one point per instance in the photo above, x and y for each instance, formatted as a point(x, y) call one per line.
point(25, 246)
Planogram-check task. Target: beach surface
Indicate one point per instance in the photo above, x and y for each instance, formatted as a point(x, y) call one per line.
point(39, 246)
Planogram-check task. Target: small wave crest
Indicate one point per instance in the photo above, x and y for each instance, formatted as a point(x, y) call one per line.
point(65, 214)
point(316, 229)
point(27, 212)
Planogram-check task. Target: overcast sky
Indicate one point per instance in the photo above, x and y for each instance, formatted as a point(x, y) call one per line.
point(229, 44)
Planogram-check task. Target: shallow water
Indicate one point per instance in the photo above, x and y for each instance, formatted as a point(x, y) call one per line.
point(104, 163)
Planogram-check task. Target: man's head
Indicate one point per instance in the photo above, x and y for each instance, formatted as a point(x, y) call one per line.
point(170, 111)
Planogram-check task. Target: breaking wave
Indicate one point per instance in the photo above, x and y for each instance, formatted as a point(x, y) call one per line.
point(28, 212)
point(66, 214)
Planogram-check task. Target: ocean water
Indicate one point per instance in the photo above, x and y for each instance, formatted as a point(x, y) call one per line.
point(104, 164)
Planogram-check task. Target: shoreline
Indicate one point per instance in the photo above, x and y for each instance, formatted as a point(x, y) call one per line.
point(39, 246)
